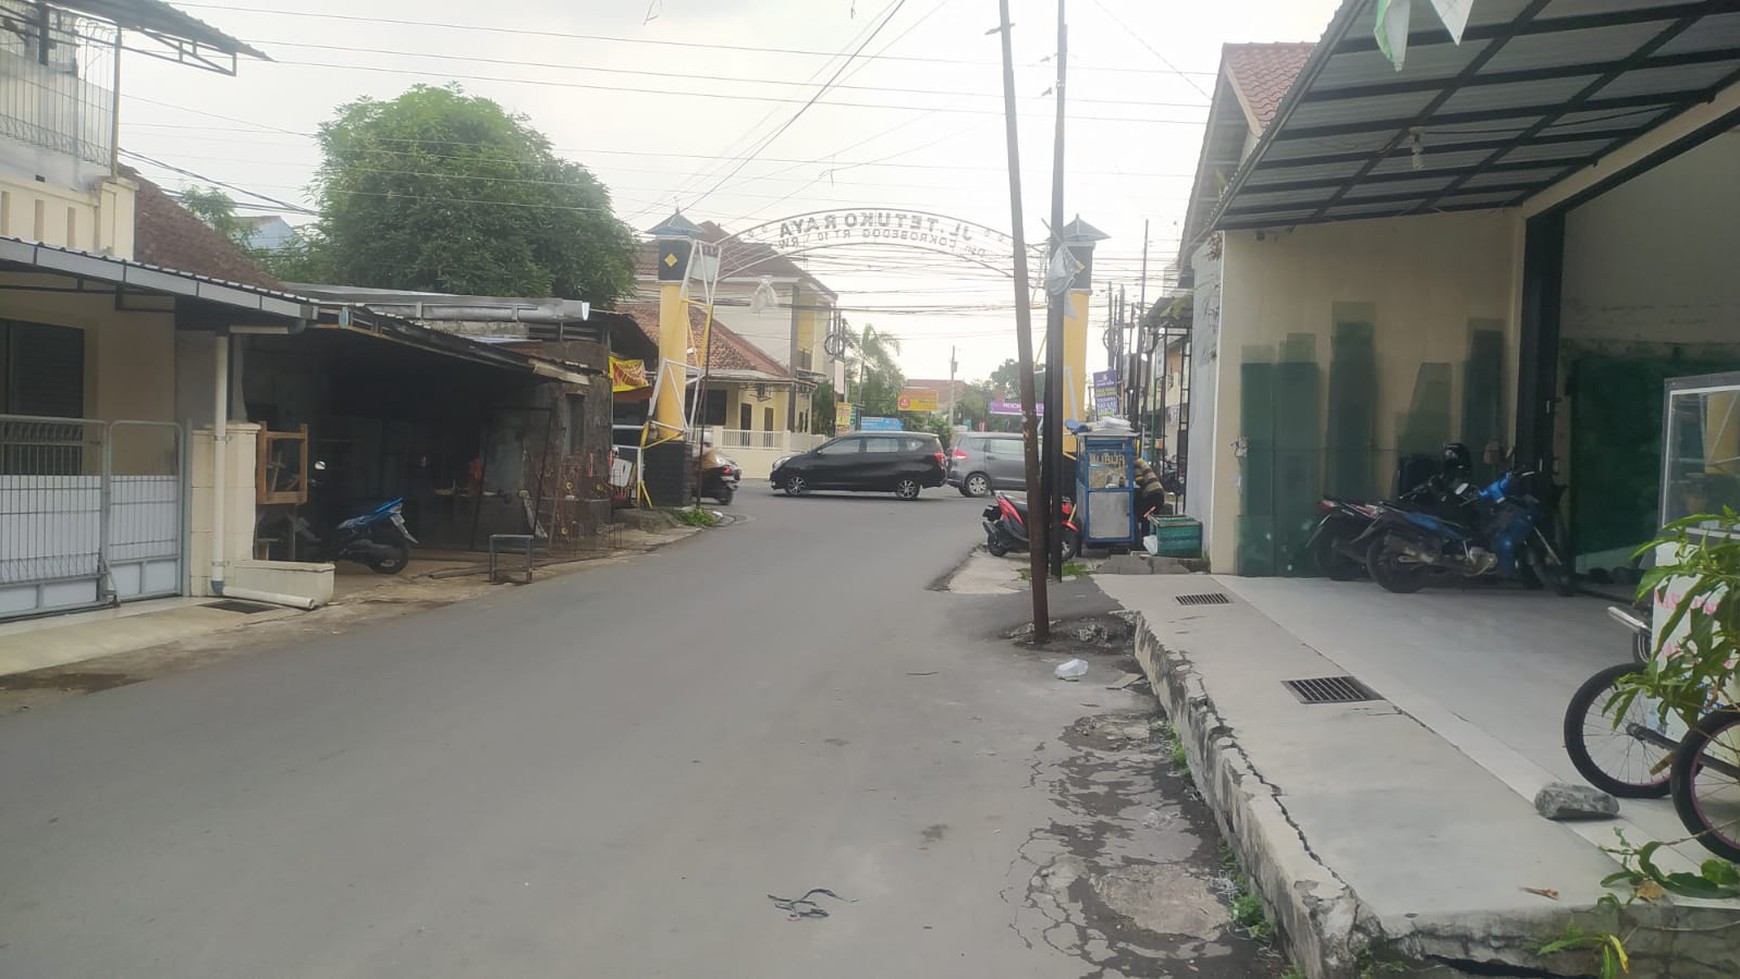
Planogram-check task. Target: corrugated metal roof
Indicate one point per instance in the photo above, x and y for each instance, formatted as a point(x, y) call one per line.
point(1537, 90)
point(160, 19)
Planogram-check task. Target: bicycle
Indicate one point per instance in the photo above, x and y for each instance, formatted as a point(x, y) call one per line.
point(1644, 755)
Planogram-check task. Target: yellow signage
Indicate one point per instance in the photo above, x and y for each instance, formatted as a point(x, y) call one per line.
point(627, 375)
point(918, 399)
point(844, 414)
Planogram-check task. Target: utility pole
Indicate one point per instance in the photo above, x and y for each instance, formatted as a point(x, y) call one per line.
point(953, 366)
point(1056, 297)
point(1037, 528)
point(1111, 330)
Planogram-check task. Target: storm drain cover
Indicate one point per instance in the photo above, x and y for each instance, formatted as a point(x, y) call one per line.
point(1330, 690)
point(1208, 598)
point(246, 608)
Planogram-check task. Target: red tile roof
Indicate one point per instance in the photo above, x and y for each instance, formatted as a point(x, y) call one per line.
point(1261, 74)
point(166, 234)
point(730, 352)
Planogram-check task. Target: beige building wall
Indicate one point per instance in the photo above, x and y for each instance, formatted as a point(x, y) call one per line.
point(129, 356)
point(239, 459)
point(1341, 347)
point(98, 220)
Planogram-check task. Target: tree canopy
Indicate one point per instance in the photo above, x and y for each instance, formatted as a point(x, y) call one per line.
point(218, 210)
point(873, 375)
point(442, 191)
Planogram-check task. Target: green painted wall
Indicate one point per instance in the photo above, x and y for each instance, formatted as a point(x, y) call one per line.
point(1616, 393)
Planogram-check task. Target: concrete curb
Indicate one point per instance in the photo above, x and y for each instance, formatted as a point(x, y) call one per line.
point(1331, 934)
point(1319, 915)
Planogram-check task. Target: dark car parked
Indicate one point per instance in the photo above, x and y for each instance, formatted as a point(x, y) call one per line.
point(902, 463)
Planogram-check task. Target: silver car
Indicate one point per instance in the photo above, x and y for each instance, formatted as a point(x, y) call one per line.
point(980, 462)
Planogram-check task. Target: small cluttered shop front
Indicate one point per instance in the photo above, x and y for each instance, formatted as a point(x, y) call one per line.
point(478, 439)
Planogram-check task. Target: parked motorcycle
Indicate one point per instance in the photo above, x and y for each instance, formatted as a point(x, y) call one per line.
point(1505, 536)
point(1005, 523)
point(378, 539)
point(720, 476)
point(1336, 546)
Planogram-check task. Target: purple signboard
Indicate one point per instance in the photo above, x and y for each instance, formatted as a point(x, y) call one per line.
point(1011, 408)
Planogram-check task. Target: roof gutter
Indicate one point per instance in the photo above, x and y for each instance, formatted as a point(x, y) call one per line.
point(1314, 65)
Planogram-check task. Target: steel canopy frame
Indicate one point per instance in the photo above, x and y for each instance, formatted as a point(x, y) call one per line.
point(1537, 90)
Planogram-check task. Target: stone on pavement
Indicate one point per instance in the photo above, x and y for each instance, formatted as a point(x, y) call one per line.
point(1565, 802)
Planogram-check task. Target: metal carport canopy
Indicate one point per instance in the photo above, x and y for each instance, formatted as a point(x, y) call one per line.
point(1537, 90)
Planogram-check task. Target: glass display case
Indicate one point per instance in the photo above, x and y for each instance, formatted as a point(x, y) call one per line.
point(1701, 446)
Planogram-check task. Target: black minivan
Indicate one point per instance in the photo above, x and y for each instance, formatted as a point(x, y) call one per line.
point(902, 463)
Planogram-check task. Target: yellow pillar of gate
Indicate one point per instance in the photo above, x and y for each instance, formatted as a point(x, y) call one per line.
point(1079, 237)
point(675, 238)
point(1075, 379)
point(668, 416)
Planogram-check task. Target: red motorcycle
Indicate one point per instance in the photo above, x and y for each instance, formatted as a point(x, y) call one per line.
point(1005, 522)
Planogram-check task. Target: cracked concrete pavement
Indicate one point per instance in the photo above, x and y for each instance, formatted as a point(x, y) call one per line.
point(611, 773)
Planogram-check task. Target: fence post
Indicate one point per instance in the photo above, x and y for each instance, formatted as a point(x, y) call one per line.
point(106, 513)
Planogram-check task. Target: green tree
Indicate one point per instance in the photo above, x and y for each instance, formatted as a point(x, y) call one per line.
point(218, 210)
point(822, 409)
point(301, 259)
point(1005, 381)
point(873, 375)
point(443, 191)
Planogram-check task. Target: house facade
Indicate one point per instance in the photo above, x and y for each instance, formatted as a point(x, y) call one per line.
point(155, 383)
point(789, 324)
point(1510, 242)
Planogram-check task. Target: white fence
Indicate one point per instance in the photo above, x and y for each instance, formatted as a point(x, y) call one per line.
point(90, 512)
point(756, 452)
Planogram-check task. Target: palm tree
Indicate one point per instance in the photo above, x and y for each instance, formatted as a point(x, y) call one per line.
point(876, 370)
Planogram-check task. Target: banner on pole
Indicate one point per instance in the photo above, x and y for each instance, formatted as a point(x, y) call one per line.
point(627, 375)
point(1106, 393)
point(918, 399)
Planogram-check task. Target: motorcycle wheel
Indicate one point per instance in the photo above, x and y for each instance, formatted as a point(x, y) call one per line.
point(996, 545)
point(724, 495)
point(1390, 568)
point(393, 563)
point(1331, 562)
point(1071, 544)
point(1546, 566)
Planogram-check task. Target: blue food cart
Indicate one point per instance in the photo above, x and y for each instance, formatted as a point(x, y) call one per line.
point(1105, 488)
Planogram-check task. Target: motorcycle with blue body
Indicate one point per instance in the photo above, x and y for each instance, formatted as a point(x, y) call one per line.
point(378, 539)
point(1501, 530)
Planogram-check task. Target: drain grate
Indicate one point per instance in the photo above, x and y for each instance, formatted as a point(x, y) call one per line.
point(1208, 598)
point(246, 608)
point(1330, 690)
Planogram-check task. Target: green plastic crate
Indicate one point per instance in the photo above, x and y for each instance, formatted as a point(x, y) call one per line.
point(1178, 536)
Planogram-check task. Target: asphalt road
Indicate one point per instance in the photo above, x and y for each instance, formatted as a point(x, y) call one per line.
point(608, 774)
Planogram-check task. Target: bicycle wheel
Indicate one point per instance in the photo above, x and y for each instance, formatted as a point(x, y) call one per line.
point(1631, 759)
point(1706, 782)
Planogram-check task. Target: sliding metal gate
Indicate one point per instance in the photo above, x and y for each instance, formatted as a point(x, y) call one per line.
point(90, 512)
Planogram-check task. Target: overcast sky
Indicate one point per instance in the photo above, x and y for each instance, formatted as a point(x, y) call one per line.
point(661, 100)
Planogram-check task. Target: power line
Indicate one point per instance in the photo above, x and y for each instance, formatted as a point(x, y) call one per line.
point(216, 183)
point(688, 76)
point(1152, 50)
point(566, 35)
point(729, 97)
point(881, 163)
point(813, 99)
